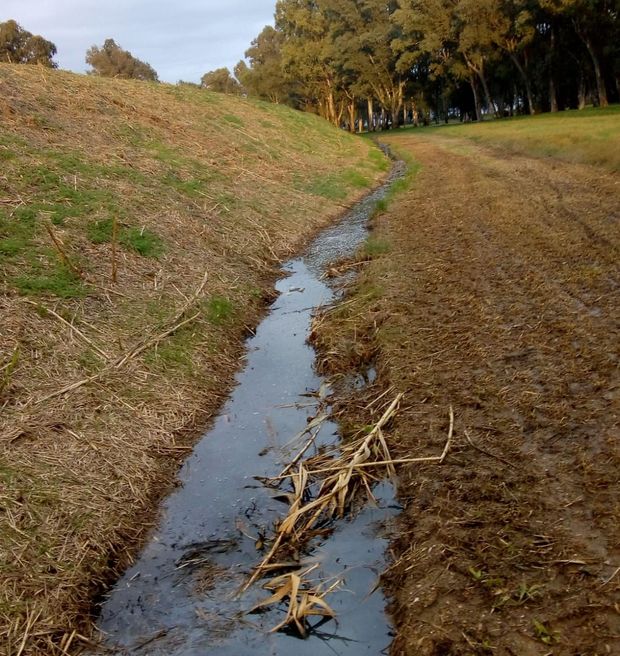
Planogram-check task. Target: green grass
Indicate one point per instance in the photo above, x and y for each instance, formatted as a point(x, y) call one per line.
point(378, 160)
point(176, 352)
point(100, 232)
point(58, 280)
point(373, 247)
point(16, 232)
point(380, 207)
point(89, 360)
point(219, 310)
point(355, 179)
point(142, 241)
point(590, 136)
point(12, 246)
point(403, 183)
point(232, 119)
point(336, 186)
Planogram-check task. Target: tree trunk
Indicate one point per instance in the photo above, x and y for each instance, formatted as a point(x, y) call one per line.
point(339, 113)
point(581, 90)
point(395, 116)
point(485, 87)
point(553, 98)
point(404, 114)
point(371, 115)
point(526, 82)
point(351, 109)
point(474, 88)
point(600, 80)
point(331, 108)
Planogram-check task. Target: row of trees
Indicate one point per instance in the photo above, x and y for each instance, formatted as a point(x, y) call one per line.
point(18, 46)
point(382, 62)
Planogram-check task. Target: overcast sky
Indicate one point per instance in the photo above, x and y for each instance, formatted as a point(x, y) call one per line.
point(181, 39)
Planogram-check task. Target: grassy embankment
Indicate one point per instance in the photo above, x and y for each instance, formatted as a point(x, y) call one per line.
point(491, 285)
point(140, 229)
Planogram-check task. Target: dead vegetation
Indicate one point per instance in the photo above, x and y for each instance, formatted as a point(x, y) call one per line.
point(499, 296)
point(324, 488)
point(304, 600)
point(140, 226)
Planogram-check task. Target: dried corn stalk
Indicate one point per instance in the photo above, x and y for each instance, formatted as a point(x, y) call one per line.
point(340, 476)
point(304, 601)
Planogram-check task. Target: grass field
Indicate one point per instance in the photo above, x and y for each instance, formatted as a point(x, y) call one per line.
point(589, 136)
point(140, 229)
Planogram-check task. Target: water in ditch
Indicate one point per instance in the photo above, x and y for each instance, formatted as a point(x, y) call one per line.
point(179, 598)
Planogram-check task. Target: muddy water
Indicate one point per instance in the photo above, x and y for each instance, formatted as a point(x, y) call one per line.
point(179, 597)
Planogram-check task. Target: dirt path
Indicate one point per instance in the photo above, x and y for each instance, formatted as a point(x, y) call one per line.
point(500, 298)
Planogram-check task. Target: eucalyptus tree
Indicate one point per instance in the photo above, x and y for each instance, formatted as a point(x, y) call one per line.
point(308, 56)
point(432, 29)
point(596, 24)
point(265, 76)
point(362, 33)
point(18, 46)
point(112, 61)
point(512, 29)
point(220, 80)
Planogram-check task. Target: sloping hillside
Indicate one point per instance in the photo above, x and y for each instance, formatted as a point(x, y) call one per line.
point(139, 229)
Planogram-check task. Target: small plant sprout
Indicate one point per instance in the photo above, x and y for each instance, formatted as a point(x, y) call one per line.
point(544, 633)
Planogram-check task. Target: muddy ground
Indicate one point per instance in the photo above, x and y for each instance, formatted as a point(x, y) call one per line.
point(497, 294)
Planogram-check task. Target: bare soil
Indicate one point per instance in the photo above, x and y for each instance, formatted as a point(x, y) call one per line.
point(499, 297)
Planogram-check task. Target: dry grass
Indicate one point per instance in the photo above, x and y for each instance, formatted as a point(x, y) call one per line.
point(187, 200)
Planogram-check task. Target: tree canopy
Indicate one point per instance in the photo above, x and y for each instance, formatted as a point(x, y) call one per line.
point(220, 80)
point(384, 62)
point(265, 76)
point(112, 61)
point(18, 46)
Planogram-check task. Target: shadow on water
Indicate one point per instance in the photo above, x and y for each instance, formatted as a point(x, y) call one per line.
point(179, 597)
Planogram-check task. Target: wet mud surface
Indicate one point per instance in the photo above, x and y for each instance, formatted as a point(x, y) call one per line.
point(179, 598)
point(500, 297)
